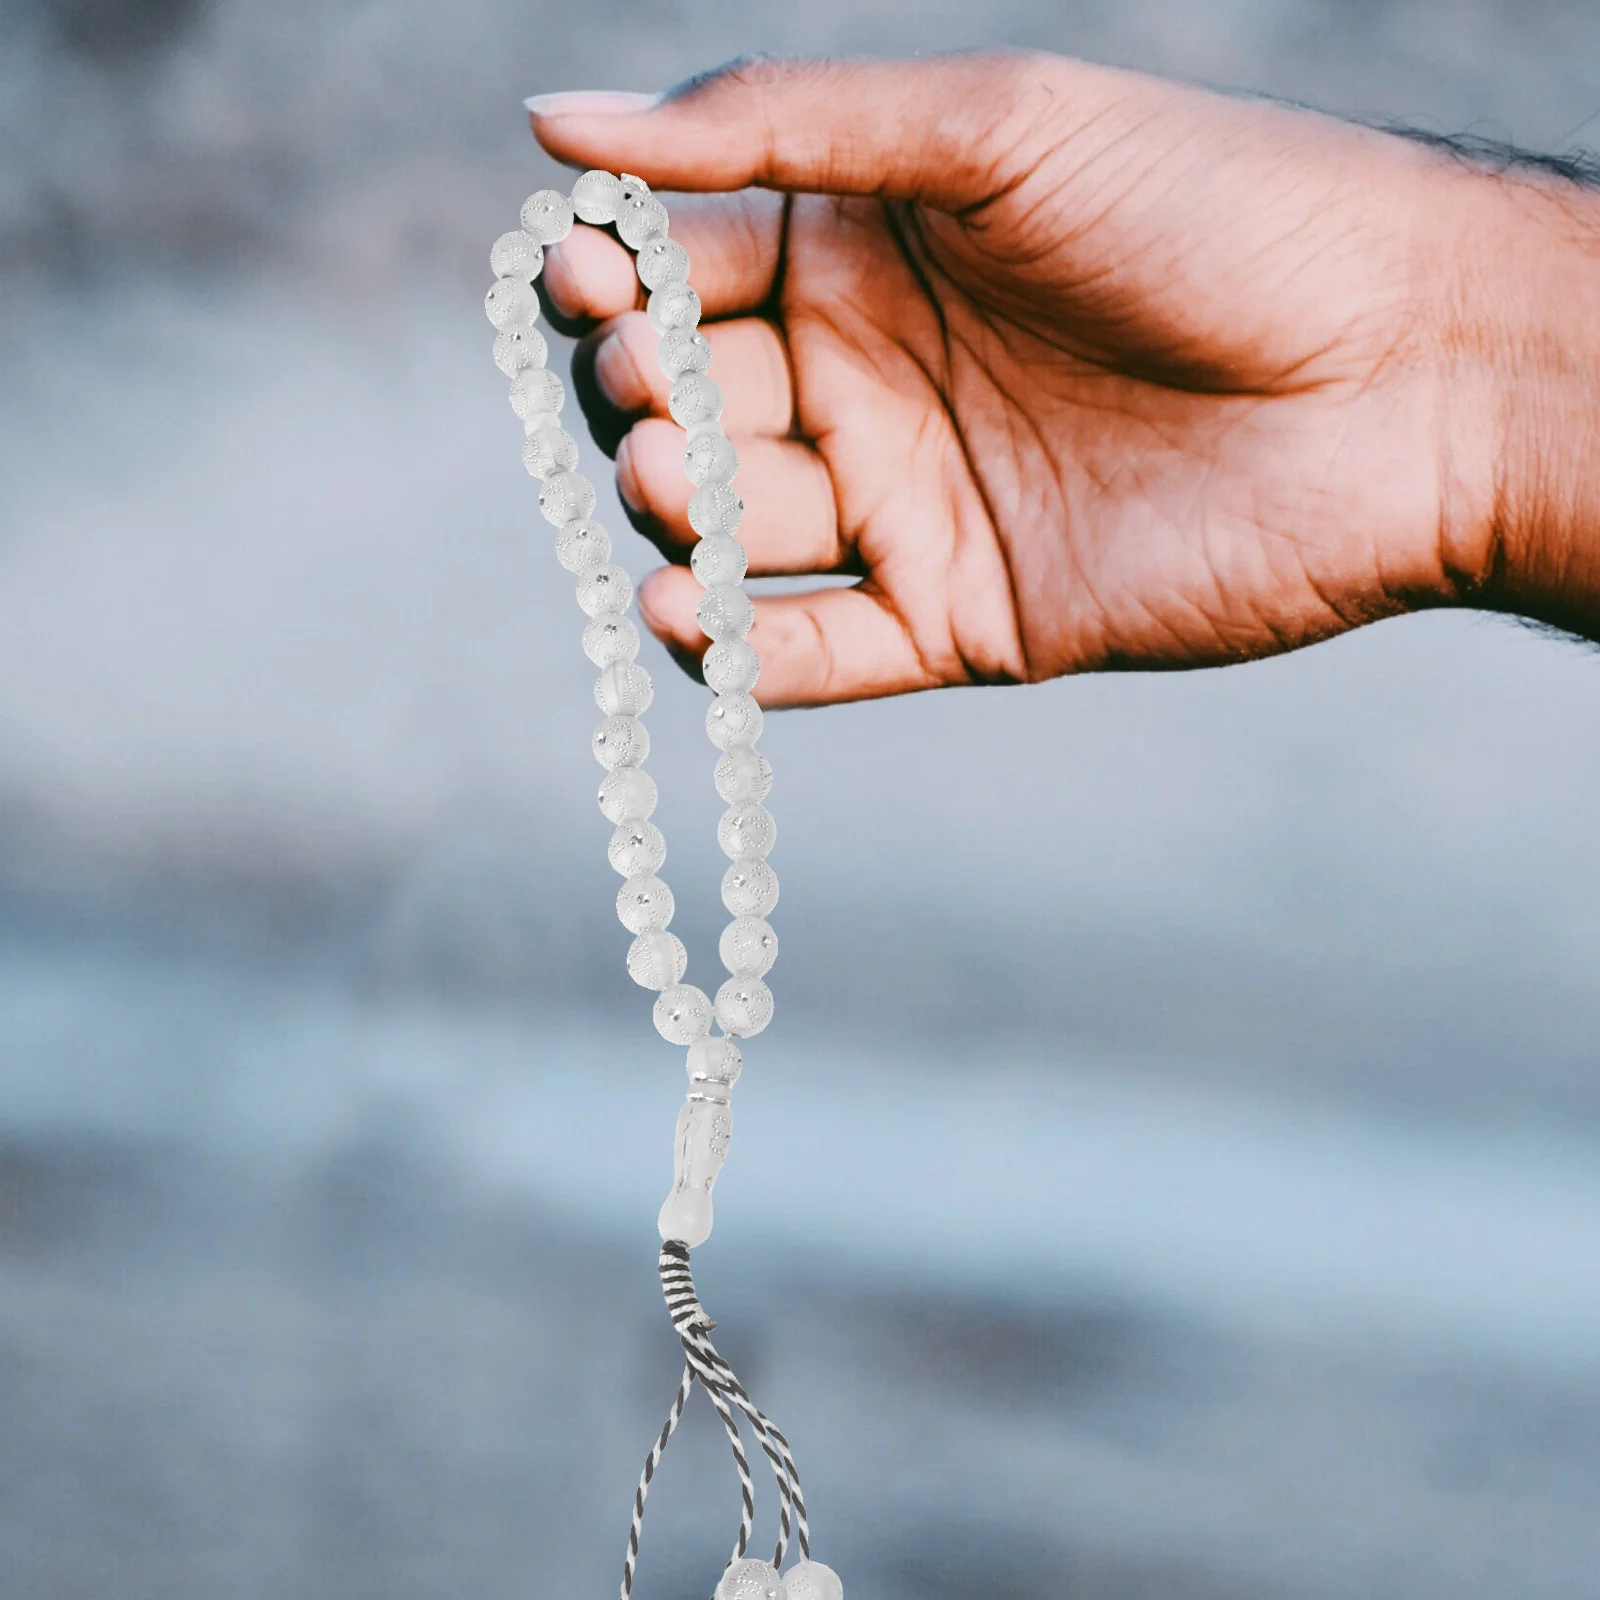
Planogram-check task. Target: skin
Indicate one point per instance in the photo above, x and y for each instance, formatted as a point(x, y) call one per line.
point(1072, 369)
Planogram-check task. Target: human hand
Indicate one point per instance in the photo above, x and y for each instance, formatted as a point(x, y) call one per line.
point(1073, 369)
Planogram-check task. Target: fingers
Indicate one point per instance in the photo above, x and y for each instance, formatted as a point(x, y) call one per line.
point(791, 523)
point(735, 249)
point(930, 129)
point(618, 379)
point(816, 649)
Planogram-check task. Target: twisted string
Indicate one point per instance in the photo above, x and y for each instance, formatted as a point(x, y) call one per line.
point(704, 1365)
point(717, 1376)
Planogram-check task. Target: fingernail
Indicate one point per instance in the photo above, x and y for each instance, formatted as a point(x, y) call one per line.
point(627, 483)
point(559, 283)
point(589, 103)
point(617, 376)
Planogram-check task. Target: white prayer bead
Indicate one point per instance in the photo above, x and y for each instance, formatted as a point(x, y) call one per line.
point(750, 888)
point(610, 637)
point(656, 960)
point(733, 718)
point(547, 215)
point(582, 545)
point(627, 792)
point(744, 1006)
point(632, 186)
point(699, 1147)
point(673, 305)
point(516, 255)
point(715, 508)
point(607, 588)
point(637, 850)
point(710, 458)
point(694, 399)
point(683, 350)
point(537, 392)
point(596, 196)
point(564, 496)
point(662, 261)
point(640, 218)
point(620, 742)
point(719, 558)
point(743, 773)
point(713, 1066)
point(746, 830)
point(750, 1580)
point(811, 1580)
point(725, 612)
point(682, 1013)
point(748, 947)
point(730, 665)
point(510, 300)
point(549, 448)
point(624, 689)
point(520, 345)
point(644, 903)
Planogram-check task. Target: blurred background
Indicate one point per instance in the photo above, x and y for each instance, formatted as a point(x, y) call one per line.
point(1172, 1173)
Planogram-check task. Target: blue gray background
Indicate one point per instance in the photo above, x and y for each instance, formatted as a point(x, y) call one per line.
point(1172, 1173)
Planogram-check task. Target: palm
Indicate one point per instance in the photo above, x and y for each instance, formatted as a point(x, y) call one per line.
point(1032, 504)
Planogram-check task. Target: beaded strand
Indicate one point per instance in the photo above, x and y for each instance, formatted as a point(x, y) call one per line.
point(656, 959)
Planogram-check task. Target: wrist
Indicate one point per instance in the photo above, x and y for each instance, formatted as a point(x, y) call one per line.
point(1528, 368)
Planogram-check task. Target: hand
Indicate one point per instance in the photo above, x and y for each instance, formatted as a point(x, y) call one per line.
point(1072, 369)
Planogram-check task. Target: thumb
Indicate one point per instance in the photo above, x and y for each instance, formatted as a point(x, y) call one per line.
point(933, 129)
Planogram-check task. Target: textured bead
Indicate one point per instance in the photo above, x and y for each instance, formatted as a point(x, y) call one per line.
point(565, 495)
point(582, 545)
point(620, 742)
point(627, 792)
point(743, 774)
point(713, 1064)
point(715, 508)
point(510, 300)
point(744, 1007)
point(725, 612)
point(549, 448)
point(596, 196)
point(662, 261)
point(607, 588)
point(657, 959)
point(518, 346)
point(640, 218)
point(683, 350)
point(673, 305)
point(516, 255)
point(710, 458)
point(719, 558)
point(610, 637)
point(632, 186)
point(748, 947)
point(644, 903)
point(747, 830)
point(810, 1580)
point(537, 392)
point(729, 665)
point(750, 1580)
point(733, 718)
point(637, 849)
point(624, 689)
point(750, 888)
point(693, 399)
point(682, 1013)
point(699, 1147)
point(547, 215)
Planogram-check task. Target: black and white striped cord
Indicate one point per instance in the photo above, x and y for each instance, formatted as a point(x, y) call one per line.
point(703, 1364)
